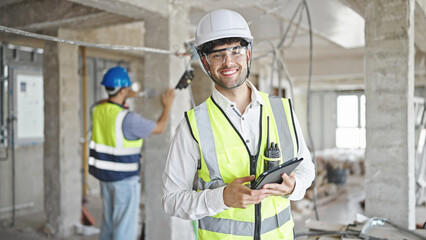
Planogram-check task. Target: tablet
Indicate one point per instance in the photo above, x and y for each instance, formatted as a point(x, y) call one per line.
point(274, 175)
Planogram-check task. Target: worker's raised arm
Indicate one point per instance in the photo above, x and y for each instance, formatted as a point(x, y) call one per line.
point(166, 100)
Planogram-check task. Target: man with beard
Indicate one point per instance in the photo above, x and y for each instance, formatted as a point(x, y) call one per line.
point(221, 142)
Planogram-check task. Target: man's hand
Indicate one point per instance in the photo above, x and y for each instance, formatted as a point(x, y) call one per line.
point(237, 195)
point(167, 98)
point(167, 101)
point(286, 187)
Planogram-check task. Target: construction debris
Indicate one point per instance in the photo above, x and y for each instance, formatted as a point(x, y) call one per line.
point(373, 228)
point(333, 168)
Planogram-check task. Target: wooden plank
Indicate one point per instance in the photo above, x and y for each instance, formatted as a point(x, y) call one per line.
point(324, 226)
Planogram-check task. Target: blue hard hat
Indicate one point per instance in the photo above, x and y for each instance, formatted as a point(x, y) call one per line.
point(116, 77)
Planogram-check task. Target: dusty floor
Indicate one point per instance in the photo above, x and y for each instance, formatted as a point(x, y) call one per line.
point(339, 209)
point(31, 227)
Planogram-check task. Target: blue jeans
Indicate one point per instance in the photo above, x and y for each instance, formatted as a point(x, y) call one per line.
point(120, 201)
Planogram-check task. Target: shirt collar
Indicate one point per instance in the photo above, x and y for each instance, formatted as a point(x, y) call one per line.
point(109, 101)
point(224, 102)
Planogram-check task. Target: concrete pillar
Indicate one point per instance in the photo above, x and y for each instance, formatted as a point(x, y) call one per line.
point(389, 68)
point(162, 72)
point(202, 85)
point(62, 161)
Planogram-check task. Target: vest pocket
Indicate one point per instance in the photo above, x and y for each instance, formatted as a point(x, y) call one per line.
point(234, 162)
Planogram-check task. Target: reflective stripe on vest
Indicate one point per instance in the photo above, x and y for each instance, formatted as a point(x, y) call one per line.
point(112, 156)
point(201, 120)
point(112, 150)
point(208, 149)
point(279, 109)
point(113, 166)
point(242, 228)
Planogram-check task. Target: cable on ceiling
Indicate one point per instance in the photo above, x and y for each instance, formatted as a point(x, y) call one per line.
point(289, 25)
point(88, 44)
point(267, 12)
point(289, 80)
point(295, 31)
point(309, 108)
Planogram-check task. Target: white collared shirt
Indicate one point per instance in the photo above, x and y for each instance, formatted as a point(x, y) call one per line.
point(181, 201)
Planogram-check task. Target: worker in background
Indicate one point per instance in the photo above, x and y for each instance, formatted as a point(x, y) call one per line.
point(134, 92)
point(115, 150)
point(222, 142)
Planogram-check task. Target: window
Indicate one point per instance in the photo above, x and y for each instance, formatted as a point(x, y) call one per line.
point(350, 131)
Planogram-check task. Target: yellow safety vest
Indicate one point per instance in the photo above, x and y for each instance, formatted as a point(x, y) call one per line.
point(225, 157)
point(112, 156)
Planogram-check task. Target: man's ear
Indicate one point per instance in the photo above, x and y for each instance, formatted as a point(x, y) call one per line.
point(205, 63)
point(122, 91)
point(248, 54)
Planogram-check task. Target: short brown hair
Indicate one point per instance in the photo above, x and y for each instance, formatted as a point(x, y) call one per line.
point(207, 47)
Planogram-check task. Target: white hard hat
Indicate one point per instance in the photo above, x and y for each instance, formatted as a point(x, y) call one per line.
point(222, 23)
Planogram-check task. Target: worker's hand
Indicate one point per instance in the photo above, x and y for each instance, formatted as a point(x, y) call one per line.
point(167, 98)
point(167, 101)
point(237, 195)
point(286, 187)
point(135, 88)
point(132, 94)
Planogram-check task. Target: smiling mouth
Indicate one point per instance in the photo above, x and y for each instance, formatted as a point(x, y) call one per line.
point(229, 72)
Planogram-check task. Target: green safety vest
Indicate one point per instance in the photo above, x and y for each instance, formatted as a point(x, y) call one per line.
point(112, 156)
point(225, 157)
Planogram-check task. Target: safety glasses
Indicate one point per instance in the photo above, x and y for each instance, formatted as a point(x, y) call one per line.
point(217, 57)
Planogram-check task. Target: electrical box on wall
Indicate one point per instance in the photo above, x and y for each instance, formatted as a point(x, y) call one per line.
point(21, 96)
point(28, 104)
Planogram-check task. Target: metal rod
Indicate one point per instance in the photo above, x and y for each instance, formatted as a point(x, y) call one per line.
point(406, 230)
point(2, 97)
point(3, 79)
point(11, 120)
point(322, 233)
point(12, 144)
point(86, 44)
point(85, 152)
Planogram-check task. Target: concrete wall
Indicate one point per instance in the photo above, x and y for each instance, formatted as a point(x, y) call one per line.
point(202, 85)
point(163, 33)
point(61, 172)
point(389, 154)
point(62, 164)
point(29, 186)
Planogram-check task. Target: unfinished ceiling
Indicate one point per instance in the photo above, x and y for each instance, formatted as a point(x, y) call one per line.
point(337, 25)
point(333, 23)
